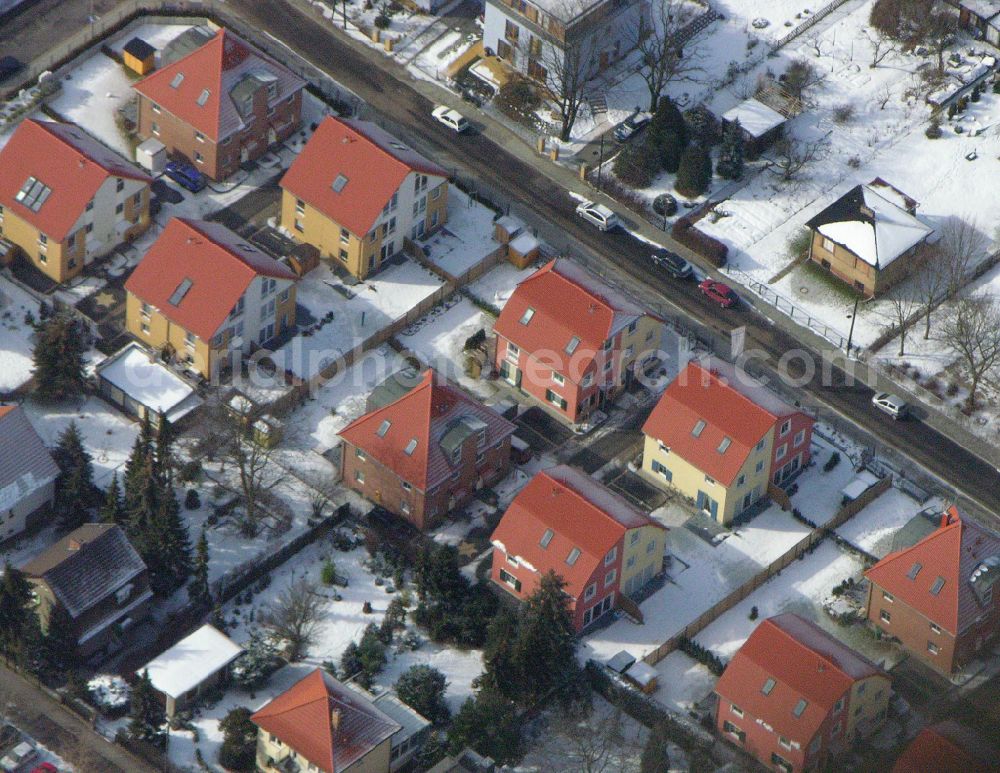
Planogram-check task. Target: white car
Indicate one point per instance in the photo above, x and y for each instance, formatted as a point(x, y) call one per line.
point(450, 118)
point(598, 214)
point(891, 404)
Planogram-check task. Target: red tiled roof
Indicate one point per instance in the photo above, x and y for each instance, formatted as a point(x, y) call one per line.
point(933, 752)
point(67, 160)
point(219, 264)
point(743, 412)
point(568, 301)
point(372, 161)
point(953, 552)
point(581, 513)
point(424, 415)
point(303, 717)
point(216, 68)
point(805, 662)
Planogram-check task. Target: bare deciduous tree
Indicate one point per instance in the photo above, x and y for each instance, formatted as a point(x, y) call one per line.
point(931, 282)
point(883, 95)
point(960, 244)
point(294, 616)
point(972, 332)
point(789, 156)
point(938, 30)
point(662, 59)
point(563, 73)
point(600, 743)
point(903, 307)
point(239, 446)
point(882, 46)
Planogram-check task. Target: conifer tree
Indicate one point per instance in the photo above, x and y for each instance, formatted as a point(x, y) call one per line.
point(59, 645)
point(198, 589)
point(75, 484)
point(668, 119)
point(113, 509)
point(146, 714)
point(166, 547)
point(58, 357)
point(731, 162)
point(15, 611)
point(545, 651)
point(695, 172)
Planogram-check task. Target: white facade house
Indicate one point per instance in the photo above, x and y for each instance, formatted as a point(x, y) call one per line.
point(535, 36)
point(27, 474)
point(105, 219)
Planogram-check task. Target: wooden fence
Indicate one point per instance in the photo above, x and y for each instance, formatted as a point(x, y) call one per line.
point(795, 553)
point(817, 17)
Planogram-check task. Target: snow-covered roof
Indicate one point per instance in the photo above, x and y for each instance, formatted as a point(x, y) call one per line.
point(524, 243)
point(755, 118)
point(984, 9)
point(149, 383)
point(870, 226)
point(859, 485)
point(641, 673)
point(25, 463)
point(191, 661)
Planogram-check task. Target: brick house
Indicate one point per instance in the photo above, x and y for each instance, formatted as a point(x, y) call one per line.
point(721, 438)
point(205, 294)
point(221, 105)
point(572, 342)
point(65, 199)
point(427, 451)
point(356, 193)
point(946, 747)
point(868, 237)
point(793, 696)
point(27, 475)
point(937, 596)
point(565, 521)
point(96, 575)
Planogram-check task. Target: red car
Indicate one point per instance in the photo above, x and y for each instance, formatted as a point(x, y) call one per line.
point(45, 767)
point(720, 293)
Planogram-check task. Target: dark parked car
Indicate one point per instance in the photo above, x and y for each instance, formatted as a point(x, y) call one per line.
point(185, 175)
point(673, 264)
point(166, 193)
point(631, 126)
point(720, 293)
point(9, 66)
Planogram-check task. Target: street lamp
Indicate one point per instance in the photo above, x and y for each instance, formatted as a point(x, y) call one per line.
point(853, 316)
point(600, 164)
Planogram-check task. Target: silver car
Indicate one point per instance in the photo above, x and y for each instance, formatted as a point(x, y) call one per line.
point(891, 404)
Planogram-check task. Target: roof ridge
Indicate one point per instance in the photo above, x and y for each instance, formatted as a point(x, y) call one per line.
point(729, 385)
point(194, 225)
point(940, 530)
point(802, 645)
point(586, 290)
point(589, 502)
point(354, 124)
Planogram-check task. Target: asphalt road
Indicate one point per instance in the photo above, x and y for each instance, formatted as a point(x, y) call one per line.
point(372, 78)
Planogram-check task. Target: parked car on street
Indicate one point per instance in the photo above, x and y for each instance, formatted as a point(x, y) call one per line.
point(631, 126)
point(18, 758)
point(673, 264)
point(891, 404)
point(185, 175)
point(598, 214)
point(450, 118)
point(721, 293)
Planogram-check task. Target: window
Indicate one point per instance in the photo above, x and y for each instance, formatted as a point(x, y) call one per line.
point(835, 730)
point(609, 365)
point(238, 308)
point(741, 480)
point(935, 628)
point(651, 546)
point(709, 480)
point(759, 467)
point(611, 556)
point(736, 709)
point(571, 346)
point(512, 351)
point(587, 380)
point(383, 428)
point(590, 592)
point(360, 454)
point(345, 236)
point(827, 245)
point(119, 209)
point(631, 562)
point(768, 686)
point(558, 378)
point(933, 648)
point(785, 428)
point(267, 286)
point(838, 706)
point(508, 579)
point(937, 586)
point(145, 327)
point(610, 577)
point(546, 538)
point(199, 136)
point(343, 255)
point(155, 128)
point(359, 476)
point(298, 226)
point(189, 339)
point(760, 445)
point(799, 437)
point(199, 158)
point(724, 445)
point(555, 399)
point(800, 707)
point(480, 458)
point(699, 427)
point(888, 597)
point(634, 538)
point(528, 314)
point(914, 571)
point(146, 310)
point(784, 742)
point(407, 486)
point(734, 731)
point(574, 554)
point(420, 183)
point(885, 616)
point(300, 207)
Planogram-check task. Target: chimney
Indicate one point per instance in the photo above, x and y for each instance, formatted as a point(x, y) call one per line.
point(74, 545)
point(335, 719)
point(945, 519)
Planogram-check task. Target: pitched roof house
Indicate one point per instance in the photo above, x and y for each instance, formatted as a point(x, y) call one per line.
point(937, 596)
point(355, 192)
point(326, 724)
point(98, 578)
point(204, 291)
point(27, 474)
point(426, 452)
point(792, 695)
point(605, 549)
point(60, 190)
point(867, 236)
point(944, 748)
point(721, 438)
point(220, 105)
point(571, 341)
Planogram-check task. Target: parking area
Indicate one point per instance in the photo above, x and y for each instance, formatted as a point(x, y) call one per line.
point(637, 490)
point(544, 433)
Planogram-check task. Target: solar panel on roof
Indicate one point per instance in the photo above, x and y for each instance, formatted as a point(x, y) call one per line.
point(180, 292)
point(33, 194)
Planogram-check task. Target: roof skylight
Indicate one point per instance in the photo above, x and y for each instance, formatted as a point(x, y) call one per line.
point(339, 183)
point(177, 80)
point(528, 314)
point(203, 98)
point(383, 428)
point(546, 538)
point(33, 194)
point(699, 427)
point(574, 554)
point(571, 346)
point(937, 586)
point(410, 447)
point(180, 292)
point(724, 445)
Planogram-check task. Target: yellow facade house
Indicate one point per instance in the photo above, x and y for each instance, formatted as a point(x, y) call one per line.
point(205, 297)
point(356, 193)
point(720, 439)
point(65, 199)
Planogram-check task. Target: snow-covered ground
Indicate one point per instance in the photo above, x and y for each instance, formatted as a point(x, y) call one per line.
point(16, 363)
point(345, 316)
point(873, 528)
point(496, 287)
point(682, 682)
point(344, 622)
point(466, 239)
point(818, 496)
point(107, 434)
point(157, 35)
